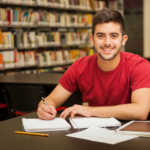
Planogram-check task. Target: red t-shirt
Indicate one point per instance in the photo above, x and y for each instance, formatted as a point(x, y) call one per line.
point(102, 88)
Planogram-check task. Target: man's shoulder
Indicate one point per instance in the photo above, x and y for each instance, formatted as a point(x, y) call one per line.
point(87, 59)
point(132, 58)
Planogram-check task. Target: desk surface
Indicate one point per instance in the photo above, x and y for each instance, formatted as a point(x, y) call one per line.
point(57, 139)
point(32, 79)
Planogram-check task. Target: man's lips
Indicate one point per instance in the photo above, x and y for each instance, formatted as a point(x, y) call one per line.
point(107, 50)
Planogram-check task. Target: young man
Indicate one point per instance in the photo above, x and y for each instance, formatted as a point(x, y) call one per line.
point(116, 84)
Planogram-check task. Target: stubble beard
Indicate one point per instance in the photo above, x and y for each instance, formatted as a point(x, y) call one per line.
point(107, 59)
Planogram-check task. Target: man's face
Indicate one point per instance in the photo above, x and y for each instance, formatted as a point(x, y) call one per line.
point(108, 40)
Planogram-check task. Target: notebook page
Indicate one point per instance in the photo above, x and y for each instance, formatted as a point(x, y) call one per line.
point(83, 122)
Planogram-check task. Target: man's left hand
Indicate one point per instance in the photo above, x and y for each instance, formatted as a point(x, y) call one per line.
point(77, 110)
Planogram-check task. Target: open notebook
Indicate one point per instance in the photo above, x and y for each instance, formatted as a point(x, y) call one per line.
point(38, 125)
point(84, 122)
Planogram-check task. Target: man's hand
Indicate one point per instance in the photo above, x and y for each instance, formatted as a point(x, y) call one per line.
point(77, 109)
point(46, 113)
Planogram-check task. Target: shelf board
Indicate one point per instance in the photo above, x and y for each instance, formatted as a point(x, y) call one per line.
point(19, 26)
point(42, 26)
point(71, 45)
point(47, 7)
point(17, 4)
point(46, 47)
point(16, 68)
point(8, 49)
point(35, 67)
point(27, 48)
point(67, 9)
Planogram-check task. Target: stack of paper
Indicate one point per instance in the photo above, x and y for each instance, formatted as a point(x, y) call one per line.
point(36, 125)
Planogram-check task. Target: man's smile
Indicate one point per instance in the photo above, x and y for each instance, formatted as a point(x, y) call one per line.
point(107, 50)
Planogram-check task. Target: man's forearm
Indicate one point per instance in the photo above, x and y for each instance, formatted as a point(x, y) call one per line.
point(49, 102)
point(125, 112)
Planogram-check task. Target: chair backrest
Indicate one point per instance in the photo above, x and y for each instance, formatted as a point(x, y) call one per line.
point(23, 99)
point(2, 105)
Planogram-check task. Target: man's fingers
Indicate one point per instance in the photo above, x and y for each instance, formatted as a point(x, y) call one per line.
point(54, 112)
point(46, 113)
point(73, 113)
point(66, 112)
point(50, 110)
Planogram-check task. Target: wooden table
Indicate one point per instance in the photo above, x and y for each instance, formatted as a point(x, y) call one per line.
point(57, 140)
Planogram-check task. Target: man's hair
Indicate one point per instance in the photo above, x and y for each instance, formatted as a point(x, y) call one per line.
point(107, 15)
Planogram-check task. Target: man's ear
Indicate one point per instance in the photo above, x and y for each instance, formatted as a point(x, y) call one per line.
point(92, 39)
point(125, 38)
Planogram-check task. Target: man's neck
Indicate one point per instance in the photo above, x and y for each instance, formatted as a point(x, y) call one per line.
point(108, 65)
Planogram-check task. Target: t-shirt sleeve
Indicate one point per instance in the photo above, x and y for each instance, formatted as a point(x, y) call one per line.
point(69, 78)
point(140, 76)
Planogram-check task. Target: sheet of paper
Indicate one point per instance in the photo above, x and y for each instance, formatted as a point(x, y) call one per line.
point(101, 135)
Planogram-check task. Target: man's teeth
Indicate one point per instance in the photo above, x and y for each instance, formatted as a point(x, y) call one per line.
point(107, 49)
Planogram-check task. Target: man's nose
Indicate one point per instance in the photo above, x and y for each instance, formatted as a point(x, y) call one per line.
point(107, 40)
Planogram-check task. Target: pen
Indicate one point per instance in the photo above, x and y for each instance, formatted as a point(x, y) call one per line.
point(45, 102)
point(28, 133)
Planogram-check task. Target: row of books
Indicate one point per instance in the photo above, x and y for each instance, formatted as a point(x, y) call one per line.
point(11, 59)
point(31, 39)
point(30, 17)
point(117, 5)
point(77, 4)
point(59, 57)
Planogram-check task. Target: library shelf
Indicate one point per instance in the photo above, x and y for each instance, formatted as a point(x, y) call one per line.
point(17, 4)
point(46, 47)
point(41, 28)
point(16, 68)
point(47, 7)
point(45, 26)
point(35, 66)
point(7, 49)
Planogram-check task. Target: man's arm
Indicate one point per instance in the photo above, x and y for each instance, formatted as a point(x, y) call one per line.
point(56, 98)
point(138, 109)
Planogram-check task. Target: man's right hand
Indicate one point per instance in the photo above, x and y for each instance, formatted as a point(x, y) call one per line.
point(46, 113)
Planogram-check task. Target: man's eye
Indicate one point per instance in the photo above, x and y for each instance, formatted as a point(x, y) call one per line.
point(100, 35)
point(114, 36)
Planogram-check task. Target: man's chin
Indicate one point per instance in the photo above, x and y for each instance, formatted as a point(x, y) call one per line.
point(107, 58)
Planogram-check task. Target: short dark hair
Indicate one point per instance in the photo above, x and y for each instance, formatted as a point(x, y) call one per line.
point(107, 15)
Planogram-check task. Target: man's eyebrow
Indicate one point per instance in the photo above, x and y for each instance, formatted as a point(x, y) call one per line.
point(115, 33)
point(99, 33)
point(104, 33)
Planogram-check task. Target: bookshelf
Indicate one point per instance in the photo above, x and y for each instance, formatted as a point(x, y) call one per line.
point(42, 34)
